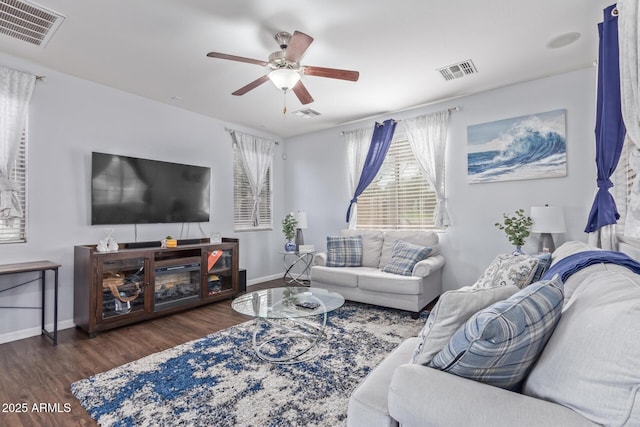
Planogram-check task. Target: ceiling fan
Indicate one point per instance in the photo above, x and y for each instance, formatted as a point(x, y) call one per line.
point(285, 69)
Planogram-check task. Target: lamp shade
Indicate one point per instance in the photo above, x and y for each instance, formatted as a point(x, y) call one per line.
point(301, 217)
point(284, 78)
point(547, 219)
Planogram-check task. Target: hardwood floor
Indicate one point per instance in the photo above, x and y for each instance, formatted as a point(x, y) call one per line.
point(35, 377)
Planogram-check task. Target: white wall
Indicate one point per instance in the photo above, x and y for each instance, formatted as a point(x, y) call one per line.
point(68, 119)
point(316, 173)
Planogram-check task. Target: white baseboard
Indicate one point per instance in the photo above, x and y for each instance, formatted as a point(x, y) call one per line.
point(34, 332)
point(264, 279)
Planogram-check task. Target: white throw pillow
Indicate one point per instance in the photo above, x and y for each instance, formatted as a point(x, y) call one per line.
point(451, 311)
point(507, 269)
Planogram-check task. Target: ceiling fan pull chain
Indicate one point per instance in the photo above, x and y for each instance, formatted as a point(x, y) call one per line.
point(284, 110)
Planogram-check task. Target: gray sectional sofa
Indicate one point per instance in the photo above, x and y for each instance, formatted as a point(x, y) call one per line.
point(587, 374)
point(369, 284)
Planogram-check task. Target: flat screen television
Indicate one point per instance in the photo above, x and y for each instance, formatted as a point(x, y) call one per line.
point(129, 190)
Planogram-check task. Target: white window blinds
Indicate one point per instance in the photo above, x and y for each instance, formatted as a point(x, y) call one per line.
point(243, 199)
point(15, 231)
point(399, 196)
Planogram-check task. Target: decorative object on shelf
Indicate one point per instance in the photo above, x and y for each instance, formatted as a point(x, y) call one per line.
point(289, 225)
point(216, 237)
point(301, 218)
point(169, 242)
point(108, 244)
point(546, 220)
point(517, 229)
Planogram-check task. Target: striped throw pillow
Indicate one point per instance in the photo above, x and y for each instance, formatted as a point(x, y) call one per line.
point(500, 344)
point(344, 251)
point(404, 257)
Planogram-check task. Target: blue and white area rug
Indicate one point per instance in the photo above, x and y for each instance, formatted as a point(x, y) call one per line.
point(219, 381)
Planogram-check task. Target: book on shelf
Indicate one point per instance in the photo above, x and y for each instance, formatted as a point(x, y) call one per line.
point(214, 256)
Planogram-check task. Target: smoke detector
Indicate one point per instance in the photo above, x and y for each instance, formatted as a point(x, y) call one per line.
point(28, 21)
point(456, 71)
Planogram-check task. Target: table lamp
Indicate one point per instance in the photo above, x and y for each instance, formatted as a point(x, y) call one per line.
point(546, 220)
point(301, 218)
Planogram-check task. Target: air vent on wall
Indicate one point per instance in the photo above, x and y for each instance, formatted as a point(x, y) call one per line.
point(455, 71)
point(28, 21)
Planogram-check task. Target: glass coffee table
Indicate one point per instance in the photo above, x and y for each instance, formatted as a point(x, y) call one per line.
point(290, 321)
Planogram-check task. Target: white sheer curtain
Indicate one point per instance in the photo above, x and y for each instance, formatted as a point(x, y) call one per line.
point(428, 140)
point(256, 154)
point(15, 92)
point(358, 142)
point(628, 41)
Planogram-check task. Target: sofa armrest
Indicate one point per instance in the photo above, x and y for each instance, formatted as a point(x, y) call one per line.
point(320, 259)
point(423, 396)
point(426, 266)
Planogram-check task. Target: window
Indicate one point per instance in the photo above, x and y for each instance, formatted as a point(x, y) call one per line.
point(15, 232)
point(243, 199)
point(399, 196)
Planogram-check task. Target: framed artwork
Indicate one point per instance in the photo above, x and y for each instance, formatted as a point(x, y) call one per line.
point(525, 147)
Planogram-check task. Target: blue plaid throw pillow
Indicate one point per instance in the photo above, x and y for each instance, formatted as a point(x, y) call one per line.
point(344, 251)
point(499, 345)
point(404, 257)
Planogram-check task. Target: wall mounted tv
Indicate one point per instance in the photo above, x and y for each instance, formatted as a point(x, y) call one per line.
point(129, 190)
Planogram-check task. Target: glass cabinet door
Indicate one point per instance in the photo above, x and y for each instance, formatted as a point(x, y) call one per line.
point(219, 271)
point(122, 286)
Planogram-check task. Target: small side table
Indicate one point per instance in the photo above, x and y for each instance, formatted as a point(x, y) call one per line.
point(293, 274)
point(41, 267)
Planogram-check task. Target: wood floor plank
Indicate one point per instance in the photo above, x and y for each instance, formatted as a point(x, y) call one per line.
point(36, 376)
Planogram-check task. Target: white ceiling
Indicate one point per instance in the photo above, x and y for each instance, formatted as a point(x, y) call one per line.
point(157, 49)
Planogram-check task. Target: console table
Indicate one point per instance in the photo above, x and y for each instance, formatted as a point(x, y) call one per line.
point(42, 267)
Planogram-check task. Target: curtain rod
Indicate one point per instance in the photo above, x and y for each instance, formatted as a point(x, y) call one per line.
point(451, 110)
point(255, 136)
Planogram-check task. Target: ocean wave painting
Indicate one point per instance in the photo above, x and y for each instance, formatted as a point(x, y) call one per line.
point(526, 147)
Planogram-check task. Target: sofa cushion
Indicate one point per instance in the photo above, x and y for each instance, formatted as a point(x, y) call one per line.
point(404, 257)
point(344, 251)
point(368, 402)
point(340, 276)
point(569, 248)
point(379, 281)
point(590, 363)
point(508, 269)
point(451, 311)
point(417, 237)
point(371, 245)
point(499, 344)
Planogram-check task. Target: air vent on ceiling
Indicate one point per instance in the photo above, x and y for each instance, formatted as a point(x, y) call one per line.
point(307, 113)
point(28, 21)
point(455, 71)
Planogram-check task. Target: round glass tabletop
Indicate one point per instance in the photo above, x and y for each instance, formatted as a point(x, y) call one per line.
point(287, 302)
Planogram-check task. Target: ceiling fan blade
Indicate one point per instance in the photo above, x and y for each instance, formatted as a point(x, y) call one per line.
point(235, 58)
point(332, 73)
point(254, 84)
point(297, 46)
point(302, 93)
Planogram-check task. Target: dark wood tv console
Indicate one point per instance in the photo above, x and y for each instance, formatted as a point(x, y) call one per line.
point(113, 289)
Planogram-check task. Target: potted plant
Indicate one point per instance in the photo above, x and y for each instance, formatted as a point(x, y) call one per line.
point(517, 227)
point(289, 225)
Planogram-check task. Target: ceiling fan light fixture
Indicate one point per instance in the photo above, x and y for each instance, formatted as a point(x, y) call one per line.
point(284, 78)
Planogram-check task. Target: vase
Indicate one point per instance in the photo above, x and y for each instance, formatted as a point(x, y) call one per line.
point(518, 251)
point(290, 246)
